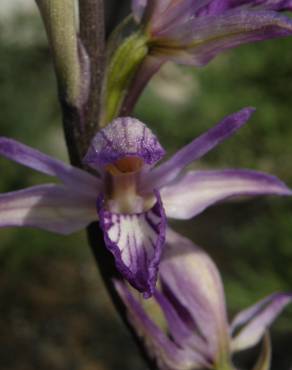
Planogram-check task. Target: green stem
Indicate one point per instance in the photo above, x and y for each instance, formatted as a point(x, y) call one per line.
point(80, 121)
point(224, 365)
point(60, 23)
point(120, 71)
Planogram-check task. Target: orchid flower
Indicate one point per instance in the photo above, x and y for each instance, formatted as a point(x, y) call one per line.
point(128, 195)
point(193, 32)
point(191, 298)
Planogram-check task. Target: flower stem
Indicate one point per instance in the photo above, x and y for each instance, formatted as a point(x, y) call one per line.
point(106, 265)
point(92, 34)
point(79, 63)
point(62, 37)
point(63, 41)
point(224, 365)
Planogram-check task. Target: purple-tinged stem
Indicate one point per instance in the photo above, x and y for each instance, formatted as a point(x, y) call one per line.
point(80, 97)
point(108, 271)
point(92, 38)
point(92, 35)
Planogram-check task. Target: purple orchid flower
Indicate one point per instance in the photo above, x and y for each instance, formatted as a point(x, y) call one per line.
point(191, 299)
point(128, 195)
point(193, 32)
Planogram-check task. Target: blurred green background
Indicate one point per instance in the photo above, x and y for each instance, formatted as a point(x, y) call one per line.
point(54, 312)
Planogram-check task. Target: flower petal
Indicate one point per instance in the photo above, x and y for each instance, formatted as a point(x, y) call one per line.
point(136, 241)
point(49, 207)
point(257, 319)
point(264, 361)
point(197, 190)
point(170, 169)
point(159, 345)
point(205, 37)
point(138, 7)
point(194, 281)
point(123, 137)
point(215, 7)
point(71, 176)
point(179, 330)
point(173, 12)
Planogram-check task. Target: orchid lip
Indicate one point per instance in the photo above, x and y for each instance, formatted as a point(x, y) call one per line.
point(136, 240)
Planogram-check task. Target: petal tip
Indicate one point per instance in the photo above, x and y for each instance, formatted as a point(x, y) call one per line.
point(246, 113)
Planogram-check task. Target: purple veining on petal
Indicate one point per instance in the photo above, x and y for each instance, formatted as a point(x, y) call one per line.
point(216, 7)
point(254, 321)
point(69, 175)
point(193, 279)
point(197, 190)
point(235, 28)
point(50, 207)
point(177, 12)
point(136, 241)
point(178, 329)
point(166, 353)
point(195, 31)
point(192, 300)
point(123, 137)
point(247, 314)
point(170, 169)
point(184, 335)
point(197, 40)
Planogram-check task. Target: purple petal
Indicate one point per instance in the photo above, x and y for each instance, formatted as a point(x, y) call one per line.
point(276, 5)
point(159, 345)
point(183, 334)
point(205, 37)
point(138, 7)
point(136, 241)
point(216, 7)
point(123, 137)
point(170, 169)
point(50, 207)
point(71, 176)
point(194, 281)
point(257, 319)
point(196, 191)
point(175, 12)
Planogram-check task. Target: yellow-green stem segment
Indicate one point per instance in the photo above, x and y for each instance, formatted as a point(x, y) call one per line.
point(225, 366)
point(60, 22)
point(120, 71)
